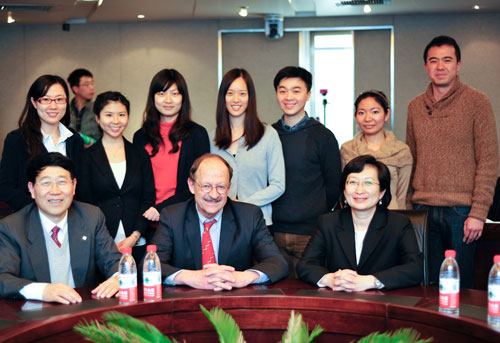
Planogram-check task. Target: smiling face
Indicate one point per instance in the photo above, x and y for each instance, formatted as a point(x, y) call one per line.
point(53, 192)
point(211, 172)
point(113, 119)
point(51, 114)
point(292, 96)
point(442, 66)
point(237, 98)
point(362, 190)
point(168, 103)
point(370, 116)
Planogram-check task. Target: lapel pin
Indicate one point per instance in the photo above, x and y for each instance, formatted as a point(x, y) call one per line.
point(84, 238)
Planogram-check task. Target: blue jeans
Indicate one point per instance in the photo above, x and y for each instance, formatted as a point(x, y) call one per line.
point(446, 231)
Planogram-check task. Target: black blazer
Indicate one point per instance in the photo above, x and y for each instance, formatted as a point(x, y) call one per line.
point(193, 146)
point(127, 204)
point(23, 253)
point(390, 250)
point(244, 239)
point(13, 178)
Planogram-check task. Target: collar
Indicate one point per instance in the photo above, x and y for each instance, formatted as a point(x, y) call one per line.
point(203, 219)
point(64, 134)
point(48, 224)
point(297, 126)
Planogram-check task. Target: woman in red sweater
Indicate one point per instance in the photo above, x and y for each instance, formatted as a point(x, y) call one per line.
point(172, 140)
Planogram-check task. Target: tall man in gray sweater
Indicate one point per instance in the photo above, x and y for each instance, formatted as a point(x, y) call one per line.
point(452, 136)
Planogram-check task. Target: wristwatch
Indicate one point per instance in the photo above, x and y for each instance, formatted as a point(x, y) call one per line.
point(378, 284)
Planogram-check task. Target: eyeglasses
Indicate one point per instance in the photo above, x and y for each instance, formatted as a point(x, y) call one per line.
point(46, 184)
point(364, 183)
point(48, 101)
point(208, 188)
point(87, 84)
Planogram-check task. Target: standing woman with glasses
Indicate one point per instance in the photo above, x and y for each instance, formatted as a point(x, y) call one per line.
point(371, 113)
point(117, 176)
point(172, 140)
point(42, 128)
point(251, 148)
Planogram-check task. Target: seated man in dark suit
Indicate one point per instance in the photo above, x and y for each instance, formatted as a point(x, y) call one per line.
point(211, 242)
point(55, 244)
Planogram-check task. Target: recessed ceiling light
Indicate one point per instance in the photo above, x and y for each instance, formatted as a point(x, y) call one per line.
point(367, 9)
point(243, 11)
point(476, 7)
point(141, 16)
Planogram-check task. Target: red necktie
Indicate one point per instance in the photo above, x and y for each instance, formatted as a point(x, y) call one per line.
point(207, 249)
point(53, 234)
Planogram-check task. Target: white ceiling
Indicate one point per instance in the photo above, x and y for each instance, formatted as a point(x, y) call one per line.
point(60, 11)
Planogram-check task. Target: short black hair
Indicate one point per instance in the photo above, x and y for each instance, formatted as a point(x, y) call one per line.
point(48, 159)
point(199, 160)
point(76, 75)
point(440, 41)
point(104, 98)
point(357, 164)
point(291, 71)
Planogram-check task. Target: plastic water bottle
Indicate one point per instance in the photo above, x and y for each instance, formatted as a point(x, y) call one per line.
point(151, 275)
point(449, 284)
point(128, 278)
point(494, 293)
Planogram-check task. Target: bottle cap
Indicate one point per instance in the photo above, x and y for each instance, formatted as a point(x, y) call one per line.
point(152, 248)
point(127, 250)
point(450, 253)
point(496, 259)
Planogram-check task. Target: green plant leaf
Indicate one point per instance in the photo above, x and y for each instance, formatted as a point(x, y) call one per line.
point(119, 327)
point(298, 331)
point(224, 324)
point(406, 335)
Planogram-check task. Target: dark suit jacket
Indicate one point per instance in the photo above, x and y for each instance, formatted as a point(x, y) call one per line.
point(390, 250)
point(244, 239)
point(23, 253)
point(193, 146)
point(137, 194)
point(13, 179)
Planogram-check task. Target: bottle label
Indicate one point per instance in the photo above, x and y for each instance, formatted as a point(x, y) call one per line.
point(128, 288)
point(152, 285)
point(449, 296)
point(494, 300)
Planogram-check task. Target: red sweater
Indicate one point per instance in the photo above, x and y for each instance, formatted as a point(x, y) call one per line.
point(165, 165)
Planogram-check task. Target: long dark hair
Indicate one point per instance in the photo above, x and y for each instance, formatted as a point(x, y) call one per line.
point(161, 82)
point(29, 122)
point(254, 129)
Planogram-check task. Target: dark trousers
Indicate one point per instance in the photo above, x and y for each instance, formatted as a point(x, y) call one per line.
point(446, 231)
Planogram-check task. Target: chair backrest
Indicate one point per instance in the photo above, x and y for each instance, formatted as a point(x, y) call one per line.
point(418, 219)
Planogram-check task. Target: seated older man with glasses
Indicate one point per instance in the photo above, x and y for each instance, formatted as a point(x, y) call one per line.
point(211, 242)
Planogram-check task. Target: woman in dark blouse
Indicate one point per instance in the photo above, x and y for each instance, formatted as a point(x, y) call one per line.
point(117, 176)
point(42, 128)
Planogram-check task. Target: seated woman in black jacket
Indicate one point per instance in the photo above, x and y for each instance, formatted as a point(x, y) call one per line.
point(117, 176)
point(42, 128)
point(363, 246)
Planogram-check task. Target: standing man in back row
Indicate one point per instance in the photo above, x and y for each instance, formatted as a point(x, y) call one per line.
point(83, 120)
point(452, 136)
point(312, 167)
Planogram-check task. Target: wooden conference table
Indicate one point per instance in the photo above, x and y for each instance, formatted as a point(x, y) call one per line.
point(262, 313)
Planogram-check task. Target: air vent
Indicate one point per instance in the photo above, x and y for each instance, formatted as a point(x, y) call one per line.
point(363, 2)
point(15, 8)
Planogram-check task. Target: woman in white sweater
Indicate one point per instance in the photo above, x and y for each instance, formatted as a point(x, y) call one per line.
point(253, 149)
